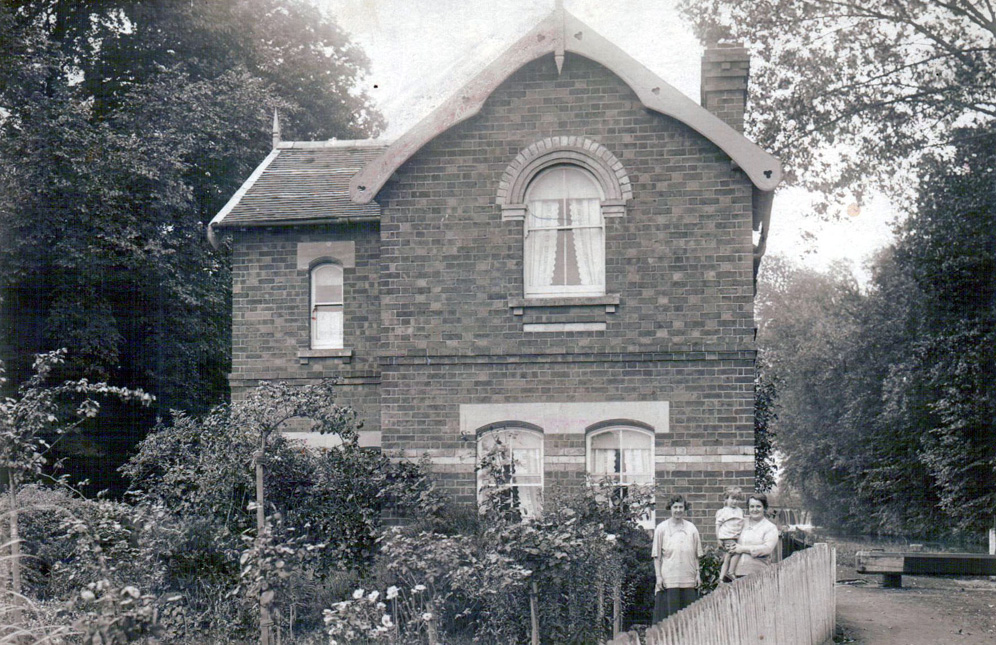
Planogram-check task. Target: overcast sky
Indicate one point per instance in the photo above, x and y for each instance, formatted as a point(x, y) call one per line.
point(422, 51)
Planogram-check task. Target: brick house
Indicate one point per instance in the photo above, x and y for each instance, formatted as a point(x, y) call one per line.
point(562, 255)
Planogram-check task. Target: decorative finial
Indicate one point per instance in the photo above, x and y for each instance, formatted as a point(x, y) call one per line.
point(276, 129)
point(558, 55)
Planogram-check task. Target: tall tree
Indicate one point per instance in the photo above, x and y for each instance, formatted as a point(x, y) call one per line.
point(851, 93)
point(886, 396)
point(124, 127)
point(948, 249)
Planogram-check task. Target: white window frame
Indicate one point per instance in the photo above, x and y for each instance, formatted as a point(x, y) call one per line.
point(508, 434)
point(552, 291)
point(621, 481)
point(337, 341)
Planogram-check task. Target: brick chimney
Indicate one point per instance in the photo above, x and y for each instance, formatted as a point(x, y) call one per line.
point(725, 69)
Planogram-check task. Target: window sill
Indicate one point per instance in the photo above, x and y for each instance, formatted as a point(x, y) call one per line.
point(305, 355)
point(609, 301)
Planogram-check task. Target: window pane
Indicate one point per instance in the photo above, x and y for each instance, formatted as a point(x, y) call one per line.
point(608, 439)
point(522, 452)
point(326, 326)
point(625, 454)
point(564, 249)
point(604, 462)
point(561, 182)
point(544, 214)
point(526, 463)
point(633, 439)
point(326, 282)
point(636, 466)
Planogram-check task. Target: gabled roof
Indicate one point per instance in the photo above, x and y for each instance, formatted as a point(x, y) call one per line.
point(558, 33)
point(302, 182)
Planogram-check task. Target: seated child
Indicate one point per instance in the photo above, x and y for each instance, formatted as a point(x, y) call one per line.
point(729, 523)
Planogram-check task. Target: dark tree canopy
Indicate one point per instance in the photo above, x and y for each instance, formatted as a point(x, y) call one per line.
point(850, 94)
point(887, 396)
point(124, 127)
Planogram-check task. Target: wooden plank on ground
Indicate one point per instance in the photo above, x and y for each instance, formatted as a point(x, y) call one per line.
point(957, 564)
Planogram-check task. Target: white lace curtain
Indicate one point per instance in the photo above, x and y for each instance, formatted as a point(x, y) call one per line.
point(626, 456)
point(586, 218)
point(541, 243)
point(565, 237)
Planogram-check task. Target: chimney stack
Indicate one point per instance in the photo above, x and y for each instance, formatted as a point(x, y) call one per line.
point(725, 70)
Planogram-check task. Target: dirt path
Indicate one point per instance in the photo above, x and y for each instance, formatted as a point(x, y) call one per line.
point(926, 611)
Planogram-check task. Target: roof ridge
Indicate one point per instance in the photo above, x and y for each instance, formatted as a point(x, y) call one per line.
point(335, 143)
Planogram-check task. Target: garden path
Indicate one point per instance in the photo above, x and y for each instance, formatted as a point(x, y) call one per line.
point(926, 611)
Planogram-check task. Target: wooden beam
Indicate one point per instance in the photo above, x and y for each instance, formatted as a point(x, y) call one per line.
point(893, 565)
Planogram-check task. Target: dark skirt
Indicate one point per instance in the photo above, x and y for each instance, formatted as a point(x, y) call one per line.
point(671, 601)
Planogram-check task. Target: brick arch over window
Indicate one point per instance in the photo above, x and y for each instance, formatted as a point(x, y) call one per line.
point(552, 151)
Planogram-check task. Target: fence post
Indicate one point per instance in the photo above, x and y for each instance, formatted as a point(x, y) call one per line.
point(992, 542)
point(616, 608)
point(534, 612)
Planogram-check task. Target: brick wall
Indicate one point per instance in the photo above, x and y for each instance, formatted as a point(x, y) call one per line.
point(271, 317)
point(680, 261)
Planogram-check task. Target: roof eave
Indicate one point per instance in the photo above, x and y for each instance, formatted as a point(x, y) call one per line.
point(549, 37)
point(237, 197)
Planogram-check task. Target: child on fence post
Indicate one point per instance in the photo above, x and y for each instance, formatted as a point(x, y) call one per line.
point(729, 524)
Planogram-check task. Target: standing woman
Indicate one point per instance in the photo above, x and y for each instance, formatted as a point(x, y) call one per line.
point(758, 538)
point(676, 552)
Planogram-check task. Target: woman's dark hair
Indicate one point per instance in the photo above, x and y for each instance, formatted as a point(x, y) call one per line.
point(761, 497)
point(678, 499)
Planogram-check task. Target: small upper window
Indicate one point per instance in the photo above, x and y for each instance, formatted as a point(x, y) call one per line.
point(326, 306)
point(514, 473)
point(565, 235)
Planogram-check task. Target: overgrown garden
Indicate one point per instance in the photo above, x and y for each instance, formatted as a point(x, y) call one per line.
point(181, 558)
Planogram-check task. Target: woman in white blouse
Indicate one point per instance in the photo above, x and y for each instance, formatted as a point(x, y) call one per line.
point(758, 538)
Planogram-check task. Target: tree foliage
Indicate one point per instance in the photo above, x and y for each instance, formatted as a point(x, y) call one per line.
point(765, 397)
point(124, 127)
point(852, 93)
point(886, 399)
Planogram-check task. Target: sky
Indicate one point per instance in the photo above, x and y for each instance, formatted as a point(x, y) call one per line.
point(423, 51)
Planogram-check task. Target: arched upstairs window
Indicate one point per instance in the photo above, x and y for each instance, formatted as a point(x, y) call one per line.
point(622, 456)
point(564, 188)
point(565, 234)
point(510, 469)
point(326, 306)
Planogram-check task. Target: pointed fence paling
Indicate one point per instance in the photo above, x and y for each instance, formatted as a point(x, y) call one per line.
point(791, 603)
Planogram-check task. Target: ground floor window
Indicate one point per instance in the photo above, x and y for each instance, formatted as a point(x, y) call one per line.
point(510, 469)
point(622, 457)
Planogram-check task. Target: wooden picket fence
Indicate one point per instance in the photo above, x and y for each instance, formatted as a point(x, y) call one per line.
point(792, 603)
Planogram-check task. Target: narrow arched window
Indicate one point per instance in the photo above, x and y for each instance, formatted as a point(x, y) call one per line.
point(510, 469)
point(564, 234)
point(326, 306)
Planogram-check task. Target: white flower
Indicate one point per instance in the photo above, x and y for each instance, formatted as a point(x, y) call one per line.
point(427, 616)
point(381, 606)
point(358, 594)
point(374, 595)
point(392, 592)
point(610, 537)
point(418, 588)
point(385, 620)
point(87, 595)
